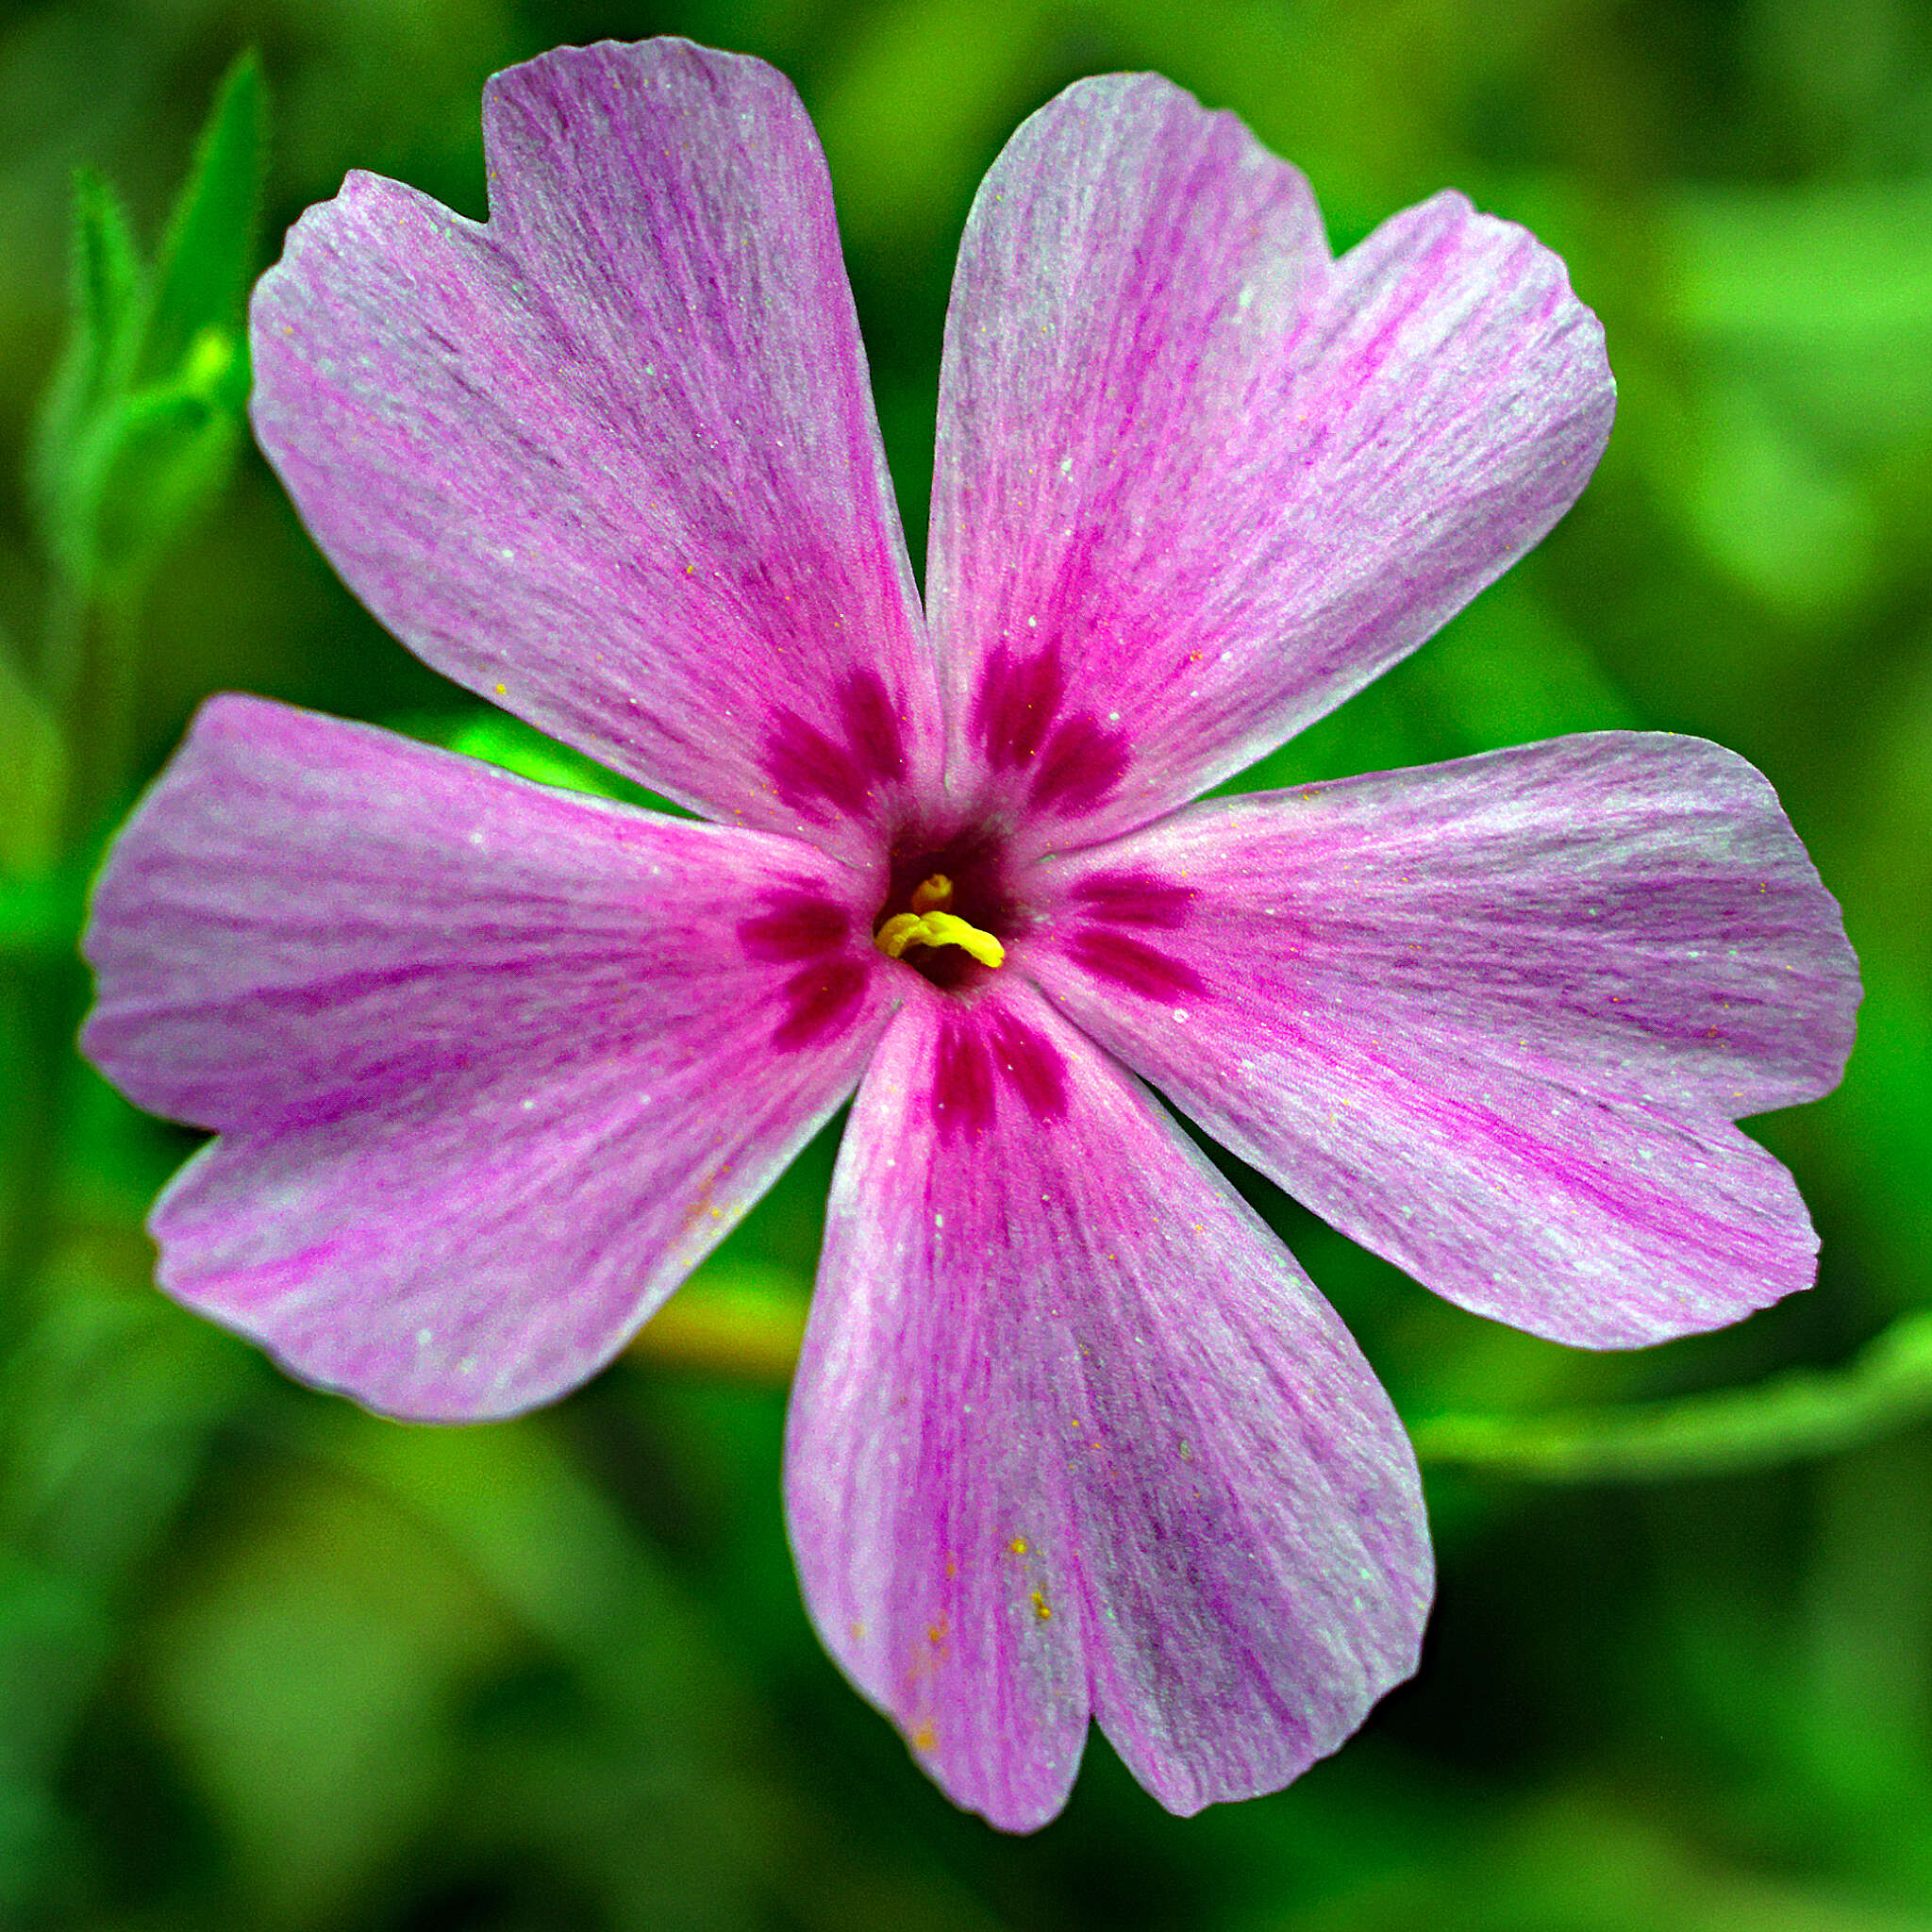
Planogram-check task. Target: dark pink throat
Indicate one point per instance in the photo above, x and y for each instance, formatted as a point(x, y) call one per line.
point(974, 860)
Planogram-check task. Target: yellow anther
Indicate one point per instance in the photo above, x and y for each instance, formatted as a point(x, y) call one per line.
point(898, 933)
point(937, 929)
point(934, 894)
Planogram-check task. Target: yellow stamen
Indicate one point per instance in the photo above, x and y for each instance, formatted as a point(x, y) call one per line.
point(898, 933)
point(934, 894)
point(937, 929)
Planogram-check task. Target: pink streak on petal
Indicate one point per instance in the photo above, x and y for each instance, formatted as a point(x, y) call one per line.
point(1073, 1433)
point(494, 1066)
point(610, 459)
point(1196, 481)
point(1493, 1019)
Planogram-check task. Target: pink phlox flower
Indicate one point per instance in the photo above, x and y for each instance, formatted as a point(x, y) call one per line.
point(494, 1066)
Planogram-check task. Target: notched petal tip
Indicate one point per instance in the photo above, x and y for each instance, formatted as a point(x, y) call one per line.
point(1223, 480)
point(494, 1065)
point(1037, 1472)
point(1495, 1018)
point(512, 439)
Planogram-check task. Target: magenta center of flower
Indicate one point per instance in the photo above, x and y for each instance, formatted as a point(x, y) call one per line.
point(947, 913)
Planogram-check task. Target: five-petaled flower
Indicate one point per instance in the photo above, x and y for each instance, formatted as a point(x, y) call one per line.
point(494, 1066)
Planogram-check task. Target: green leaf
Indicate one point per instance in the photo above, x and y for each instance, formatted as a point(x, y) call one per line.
point(141, 424)
point(1801, 1414)
point(151, 469)
point(104, 336)
point(202, 273)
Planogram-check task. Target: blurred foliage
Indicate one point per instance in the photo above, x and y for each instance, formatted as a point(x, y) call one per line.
point(266, 1661)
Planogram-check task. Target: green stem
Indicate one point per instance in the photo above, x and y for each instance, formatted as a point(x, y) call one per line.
point(90, 663)
point(42, 1004)
point(1800, 1414)
point(63, 648)
point(90, 667)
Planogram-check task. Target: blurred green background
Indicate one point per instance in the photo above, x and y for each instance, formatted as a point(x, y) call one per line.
point(267, 1661)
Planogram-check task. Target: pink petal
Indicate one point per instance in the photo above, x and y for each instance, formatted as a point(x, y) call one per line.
point(494, 1066)
point(1072, 1433)
point(610, 459)
point(1197, 482)
point(1491, 1018)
